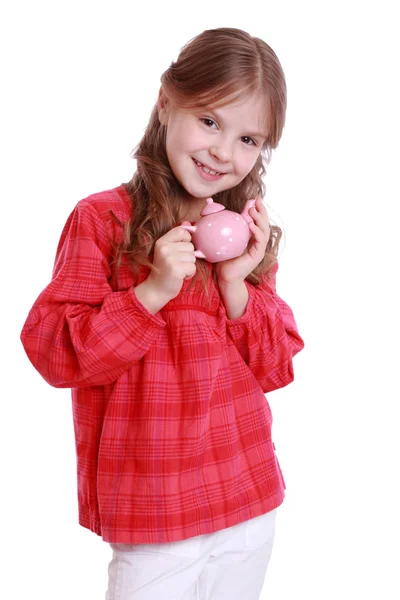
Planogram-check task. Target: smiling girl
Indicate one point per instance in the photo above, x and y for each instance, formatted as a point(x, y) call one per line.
point(169, 357)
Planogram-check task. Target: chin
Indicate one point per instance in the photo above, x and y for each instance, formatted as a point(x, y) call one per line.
point(197, 194)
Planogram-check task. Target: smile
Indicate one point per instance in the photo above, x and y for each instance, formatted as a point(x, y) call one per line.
point(207, 169)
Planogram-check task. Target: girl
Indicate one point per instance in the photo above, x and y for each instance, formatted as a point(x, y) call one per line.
point(169, 356)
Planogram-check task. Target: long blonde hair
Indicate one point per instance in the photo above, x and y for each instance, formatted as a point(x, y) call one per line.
point(214, 68)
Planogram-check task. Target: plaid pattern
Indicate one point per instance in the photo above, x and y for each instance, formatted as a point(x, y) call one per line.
point(172, 427)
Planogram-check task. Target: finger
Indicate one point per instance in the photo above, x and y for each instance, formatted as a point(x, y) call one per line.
point(185, 247)
point(261, 221)
point(187, 257)
point(254, 245)
point(259, 236)
point(260, 204)
point(261, 207)
point(256, 232)
point(178, 234)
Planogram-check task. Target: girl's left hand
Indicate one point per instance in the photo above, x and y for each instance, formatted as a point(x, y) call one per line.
point(237, 269)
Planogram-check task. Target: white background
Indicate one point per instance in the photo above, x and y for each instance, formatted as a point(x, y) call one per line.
point(78, 82)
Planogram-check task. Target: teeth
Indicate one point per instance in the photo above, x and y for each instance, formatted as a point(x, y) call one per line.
point(206, 169)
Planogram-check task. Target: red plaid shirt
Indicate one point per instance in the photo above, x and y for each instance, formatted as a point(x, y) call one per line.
point(172, 427)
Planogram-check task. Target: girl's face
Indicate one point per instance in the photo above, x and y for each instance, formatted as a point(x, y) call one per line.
point(227, 140)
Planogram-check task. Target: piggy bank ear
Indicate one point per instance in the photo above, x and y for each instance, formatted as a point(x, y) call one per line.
point(186, 223)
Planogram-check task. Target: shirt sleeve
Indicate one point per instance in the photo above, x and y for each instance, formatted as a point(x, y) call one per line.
point(266, 335)
point(80, 332)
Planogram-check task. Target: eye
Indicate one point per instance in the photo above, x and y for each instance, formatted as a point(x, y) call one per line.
point(206, 121)
point(253, 143)
point(209, 123)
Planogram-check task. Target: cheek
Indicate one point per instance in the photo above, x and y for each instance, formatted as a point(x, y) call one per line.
point(185, 141)
point(174, 148)
point(247, 160)
point(194, 139)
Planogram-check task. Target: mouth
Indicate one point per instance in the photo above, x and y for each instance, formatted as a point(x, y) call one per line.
point(207, 169)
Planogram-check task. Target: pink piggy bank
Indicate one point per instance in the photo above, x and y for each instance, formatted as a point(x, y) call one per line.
point(221, 234)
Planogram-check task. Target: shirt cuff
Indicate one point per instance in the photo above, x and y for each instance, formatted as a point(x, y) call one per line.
point(246, 316)
point(154, 319)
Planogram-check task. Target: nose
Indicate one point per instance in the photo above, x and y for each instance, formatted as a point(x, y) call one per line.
point(222, 151)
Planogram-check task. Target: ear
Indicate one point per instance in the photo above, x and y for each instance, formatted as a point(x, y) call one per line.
point(163, 107)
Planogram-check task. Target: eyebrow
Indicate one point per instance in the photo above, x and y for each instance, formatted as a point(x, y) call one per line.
point(253, 134)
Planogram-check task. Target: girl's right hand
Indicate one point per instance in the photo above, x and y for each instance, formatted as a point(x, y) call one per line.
point(175, 260)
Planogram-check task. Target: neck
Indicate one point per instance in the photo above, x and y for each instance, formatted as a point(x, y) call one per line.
point(190, 211)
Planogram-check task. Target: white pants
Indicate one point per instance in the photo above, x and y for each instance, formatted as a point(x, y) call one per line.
point(230, 564)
